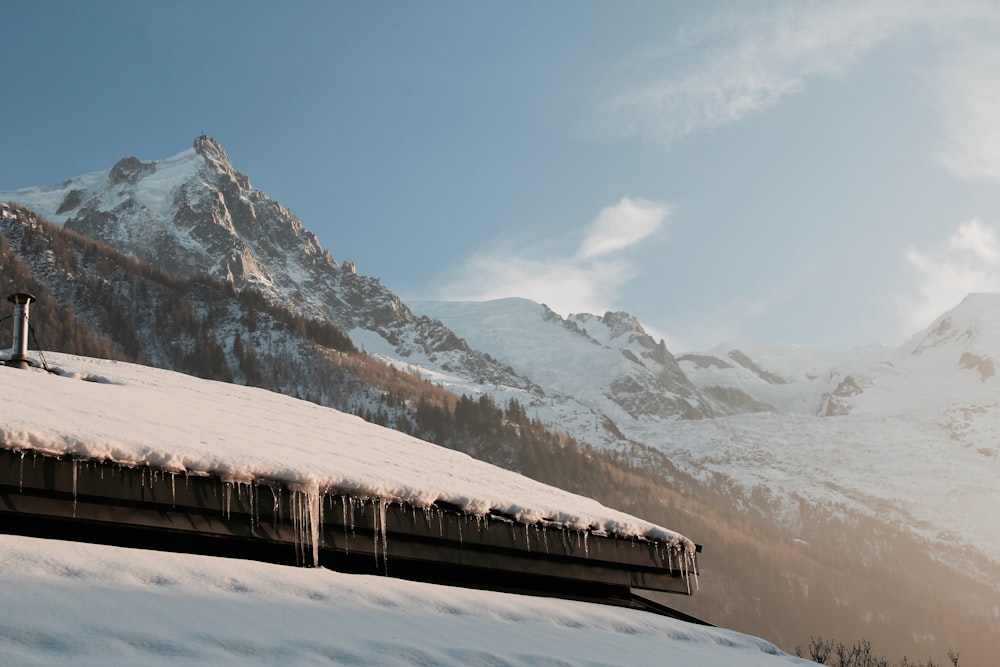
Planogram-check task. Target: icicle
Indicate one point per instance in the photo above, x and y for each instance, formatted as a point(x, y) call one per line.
point(691, 557)
point(276, 509)
point(380, 537)
point(251, 500)
point(315, 524)
point(586, 545)
point(75, 464)
point(20, 483)
point(227, 498)
point(306, 519)
point(375, 525)
point(296, 526)
point(173, 489)
point(383, 506)
point(344, 500)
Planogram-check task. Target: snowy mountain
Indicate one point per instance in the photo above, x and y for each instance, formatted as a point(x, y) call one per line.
point(607, 366)
point(194, 213)
point(908, 435)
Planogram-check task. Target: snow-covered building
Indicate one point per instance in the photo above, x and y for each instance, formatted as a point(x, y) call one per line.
point(108, 452)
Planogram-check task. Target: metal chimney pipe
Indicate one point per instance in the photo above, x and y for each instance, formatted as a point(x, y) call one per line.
point(19, 350)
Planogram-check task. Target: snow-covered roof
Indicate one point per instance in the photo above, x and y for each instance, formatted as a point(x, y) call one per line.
point(137, 415)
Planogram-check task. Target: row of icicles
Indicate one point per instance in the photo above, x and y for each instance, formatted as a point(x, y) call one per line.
point(307, 509)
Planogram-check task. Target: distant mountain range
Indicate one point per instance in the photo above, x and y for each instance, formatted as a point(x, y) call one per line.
point(906, 437)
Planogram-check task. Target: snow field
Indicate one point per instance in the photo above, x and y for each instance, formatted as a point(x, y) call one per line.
point(82, 604)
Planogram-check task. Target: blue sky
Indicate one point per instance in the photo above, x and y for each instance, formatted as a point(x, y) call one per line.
point(824, 174)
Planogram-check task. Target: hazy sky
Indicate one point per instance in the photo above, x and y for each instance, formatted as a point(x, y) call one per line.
point(819, 173)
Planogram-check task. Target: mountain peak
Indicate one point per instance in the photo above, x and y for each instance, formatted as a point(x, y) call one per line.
point(213, 152)
point(129, 170)
point(621, 323)
point(974, 322)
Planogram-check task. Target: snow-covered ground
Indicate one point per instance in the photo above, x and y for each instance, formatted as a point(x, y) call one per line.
point(82, 604)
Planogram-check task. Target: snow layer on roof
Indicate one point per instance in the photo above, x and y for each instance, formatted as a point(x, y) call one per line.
point(84, 604)
point(137, 415)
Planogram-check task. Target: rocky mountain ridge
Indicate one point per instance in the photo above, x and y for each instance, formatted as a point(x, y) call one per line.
point(195, 213)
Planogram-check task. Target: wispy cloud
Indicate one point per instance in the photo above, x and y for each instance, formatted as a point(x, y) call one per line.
point(768, 58)
point(965, 85)
point(585, 277)
point(968, 262)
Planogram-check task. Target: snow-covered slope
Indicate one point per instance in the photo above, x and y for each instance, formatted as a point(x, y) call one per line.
point(83, 604)
point(598, 374)
point(608, 363)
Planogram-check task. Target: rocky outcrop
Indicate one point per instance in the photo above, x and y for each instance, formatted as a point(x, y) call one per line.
point(749, 364)
point(984, 365)
point(835, 403)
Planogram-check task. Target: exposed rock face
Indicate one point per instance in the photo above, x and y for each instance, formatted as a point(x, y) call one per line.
point(704, 361)
point(129, 170)
point(736, 400)
point(835, 403)
point(748, 363)
point(986, 366)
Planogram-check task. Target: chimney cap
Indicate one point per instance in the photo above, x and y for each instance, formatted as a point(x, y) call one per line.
point(21, 298)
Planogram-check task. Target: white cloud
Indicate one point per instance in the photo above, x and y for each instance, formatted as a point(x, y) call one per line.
point(969, 262)
point(977, 238)
point(587, 279)
point(622, 225)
